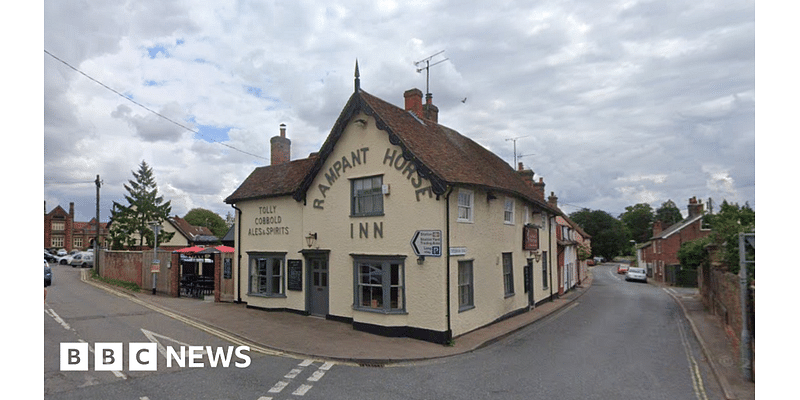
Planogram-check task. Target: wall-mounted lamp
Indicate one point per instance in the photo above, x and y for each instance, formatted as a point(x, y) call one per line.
point(490, 196)
point(311, 239)
point(420, 260)
point(537, 255)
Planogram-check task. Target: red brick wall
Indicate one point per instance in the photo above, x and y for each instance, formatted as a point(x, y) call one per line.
point(123, 265)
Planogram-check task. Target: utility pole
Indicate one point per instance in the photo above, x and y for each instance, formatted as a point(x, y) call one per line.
point(97, 183)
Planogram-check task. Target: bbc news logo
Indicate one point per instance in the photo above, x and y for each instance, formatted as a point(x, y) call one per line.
point(144, 356)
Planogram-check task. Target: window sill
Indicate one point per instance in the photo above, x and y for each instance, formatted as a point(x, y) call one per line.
point(465, 221)
point(380, 311)
point(509, 295)
point(466, 308)
point(267, 296)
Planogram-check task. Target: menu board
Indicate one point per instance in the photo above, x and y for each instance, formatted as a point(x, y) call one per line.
point(295, 275)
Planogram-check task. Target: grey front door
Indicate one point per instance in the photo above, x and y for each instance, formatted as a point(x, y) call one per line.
point(318, 285)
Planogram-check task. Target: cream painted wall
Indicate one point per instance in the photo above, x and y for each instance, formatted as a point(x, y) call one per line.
point(410, 206)
point(486, 238)
point(364, 151)
point(272, 225)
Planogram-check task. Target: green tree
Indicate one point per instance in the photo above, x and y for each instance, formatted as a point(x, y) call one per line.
point(668, 213)
point(130, 224)
point(693, 254)
point(638, 220)
point(208, 219)
point(725, 228)
point(608, 233)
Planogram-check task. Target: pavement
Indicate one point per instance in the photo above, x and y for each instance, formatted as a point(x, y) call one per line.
point(317, 338)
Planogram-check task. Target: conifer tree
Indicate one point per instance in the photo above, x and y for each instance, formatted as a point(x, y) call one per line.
point(131, 224)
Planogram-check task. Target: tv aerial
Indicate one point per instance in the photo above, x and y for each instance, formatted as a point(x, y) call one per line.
point(427, 69)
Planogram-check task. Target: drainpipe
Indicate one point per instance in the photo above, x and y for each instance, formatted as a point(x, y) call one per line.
point(238, 256)
point(447, 262)
point(550, 253)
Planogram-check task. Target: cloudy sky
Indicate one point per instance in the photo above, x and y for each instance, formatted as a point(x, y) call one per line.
point(613, 103)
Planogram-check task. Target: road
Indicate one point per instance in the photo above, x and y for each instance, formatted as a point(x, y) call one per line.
point(620, 340)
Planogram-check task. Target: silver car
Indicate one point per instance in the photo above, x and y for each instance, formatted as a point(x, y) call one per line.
point(83, 260)
point(636, 274)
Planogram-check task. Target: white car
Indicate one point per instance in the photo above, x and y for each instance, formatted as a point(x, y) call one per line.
point(636, 274)
point(83, 260)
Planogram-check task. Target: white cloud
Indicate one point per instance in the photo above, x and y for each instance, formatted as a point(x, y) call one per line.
point(617, 103)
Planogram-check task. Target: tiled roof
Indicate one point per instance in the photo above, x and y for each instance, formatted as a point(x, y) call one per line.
point(190, 231)
point(441, 155)
point(677, 227)
point(272, 181)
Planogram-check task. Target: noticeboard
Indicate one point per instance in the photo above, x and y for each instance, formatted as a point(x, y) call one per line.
point(295, 275)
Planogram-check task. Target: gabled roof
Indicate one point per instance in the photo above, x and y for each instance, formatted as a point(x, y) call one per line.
point(440, 154)
point(677, 227)
point(189, 231)
point(273, 181)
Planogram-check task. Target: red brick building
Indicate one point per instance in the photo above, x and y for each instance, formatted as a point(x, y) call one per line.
point(61, 231)
point(661, 252)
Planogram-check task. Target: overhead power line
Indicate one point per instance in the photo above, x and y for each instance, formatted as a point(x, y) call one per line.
point(145, 107)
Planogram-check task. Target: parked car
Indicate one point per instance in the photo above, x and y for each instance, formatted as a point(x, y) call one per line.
point(67, 258)
point(48, 274)
point(49, 257)
point(636, 274)
point(622, 268)
point(83, 260)
point(61, 252)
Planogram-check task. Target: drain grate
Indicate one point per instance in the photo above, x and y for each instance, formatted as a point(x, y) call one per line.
point(372, 364)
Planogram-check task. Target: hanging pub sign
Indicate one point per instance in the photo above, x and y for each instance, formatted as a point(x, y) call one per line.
point(530, 238)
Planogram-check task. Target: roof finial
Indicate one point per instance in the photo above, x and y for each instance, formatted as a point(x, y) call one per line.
point(358, 80)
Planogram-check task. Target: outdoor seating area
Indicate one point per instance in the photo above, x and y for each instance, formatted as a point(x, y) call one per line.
point(198, 286)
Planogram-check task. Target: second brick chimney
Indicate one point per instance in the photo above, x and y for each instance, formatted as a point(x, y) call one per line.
point(281, 148)
point(414, 101)
point(695, 207)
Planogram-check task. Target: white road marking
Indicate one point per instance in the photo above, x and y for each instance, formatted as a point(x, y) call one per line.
point(302, 390)
point(279, 387)
point(316, 376)
point(294, 373)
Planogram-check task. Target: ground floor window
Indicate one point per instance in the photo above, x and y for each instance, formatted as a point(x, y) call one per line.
point(508, 274)
point(266, 274)
point(465, 286)
point(544, 270)
point(379, 284)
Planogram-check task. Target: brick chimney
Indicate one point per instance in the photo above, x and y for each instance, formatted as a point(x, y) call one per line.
point(281, 148)
point(414, 101)
point(695, 207)
point(552, 200)
point(657, 227)
point(430, 110)
point(539, 188)
point(527, 176)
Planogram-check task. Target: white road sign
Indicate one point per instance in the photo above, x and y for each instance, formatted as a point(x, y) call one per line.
point(427, 243)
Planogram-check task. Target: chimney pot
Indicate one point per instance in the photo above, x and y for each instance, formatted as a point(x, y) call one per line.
point(280, 148)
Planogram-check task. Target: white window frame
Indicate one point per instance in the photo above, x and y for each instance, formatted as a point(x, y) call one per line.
point(466, 203)
point(508, 211)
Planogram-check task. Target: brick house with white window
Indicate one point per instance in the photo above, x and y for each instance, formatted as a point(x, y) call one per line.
point(398, 225)
point(61, 231)
point(661, 251)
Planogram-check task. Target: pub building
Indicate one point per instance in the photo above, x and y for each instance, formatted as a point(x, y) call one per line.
point(398, 225)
